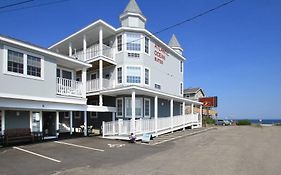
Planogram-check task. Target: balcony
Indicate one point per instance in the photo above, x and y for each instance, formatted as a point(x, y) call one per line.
point(94, 85)
point(68, 87)
point(94, 51)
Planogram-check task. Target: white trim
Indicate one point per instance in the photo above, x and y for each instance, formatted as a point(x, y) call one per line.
point(67, 70)
point(83, 30)
point(146, 116)
point(25, 53)
point(139, 39)
point(122, 43)
point(124, 15)
point(95, 108)
point(12, 41)
point(149, 44)
point(119, 116)
point(30, 121)
point(56, 100)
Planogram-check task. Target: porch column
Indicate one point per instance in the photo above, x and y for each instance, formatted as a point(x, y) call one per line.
point(100, 74)
point(133, 129)
point(70, 49)
point(200, 115)
point(85, 124)
point(183, 108)
point(100, 100)
point(71, 121)
point(101, 41)
point(41, 121)
point(156, 113)
point(57, 123)
point(30, 121)
point(172, 112)
point(113, 120)
point(192, 108)
point(84, 47)
point(84, 81)
point(2, 121)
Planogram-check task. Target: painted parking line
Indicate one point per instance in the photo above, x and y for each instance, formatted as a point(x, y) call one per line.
point(36, 154)
point(174, 138)
point(79, 146)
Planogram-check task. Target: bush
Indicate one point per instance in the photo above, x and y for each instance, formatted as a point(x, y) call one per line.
point(244, 122)
point(209, 120)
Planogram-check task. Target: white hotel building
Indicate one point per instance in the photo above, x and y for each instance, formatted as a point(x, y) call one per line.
point(122, 80)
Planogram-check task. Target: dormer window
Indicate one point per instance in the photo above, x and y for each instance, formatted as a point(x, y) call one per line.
point(133, 42)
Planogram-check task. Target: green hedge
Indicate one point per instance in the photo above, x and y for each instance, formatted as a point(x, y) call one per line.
point(209, 120)
point(243, 122)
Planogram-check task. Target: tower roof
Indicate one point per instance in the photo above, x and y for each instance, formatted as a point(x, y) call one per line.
point(132, 7)
point(174, 42)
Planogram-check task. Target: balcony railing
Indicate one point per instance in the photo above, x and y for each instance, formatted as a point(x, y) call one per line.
point(94, 51)
point(93, 85)
point(69, 87)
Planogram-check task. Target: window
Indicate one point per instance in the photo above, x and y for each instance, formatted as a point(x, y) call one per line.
point(133, 74)
point(157, 86)
point(146, 45)
point(146, 76)
point(15, 62)
point(147, 107)
point(93, 115)
point(119, 43)
point(33, 66)
point(133, 42)
point(119, 75)
point(35, 121)
point(62, 73)
point(135, 55)
point(181, 109)
point(181, 66)
point(119, 105)
point(138, 107)
point(1, 123)
point(181, 88)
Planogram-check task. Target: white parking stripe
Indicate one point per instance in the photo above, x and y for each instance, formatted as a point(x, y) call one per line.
point(39, 155)
point(79, 146)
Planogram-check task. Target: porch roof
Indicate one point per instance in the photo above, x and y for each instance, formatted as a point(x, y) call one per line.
point(127, 90)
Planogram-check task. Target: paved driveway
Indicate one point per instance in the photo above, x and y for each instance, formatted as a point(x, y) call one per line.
point(226, 151)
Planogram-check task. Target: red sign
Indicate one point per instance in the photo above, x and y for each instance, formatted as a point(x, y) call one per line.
point(160, 54)
point(209, 101)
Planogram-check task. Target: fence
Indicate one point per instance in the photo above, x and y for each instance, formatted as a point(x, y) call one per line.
point(154, 126)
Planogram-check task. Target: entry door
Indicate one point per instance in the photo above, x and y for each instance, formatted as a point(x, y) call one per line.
point(49, 124)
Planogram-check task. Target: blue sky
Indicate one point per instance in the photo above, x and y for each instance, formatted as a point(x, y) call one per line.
point(233, 53)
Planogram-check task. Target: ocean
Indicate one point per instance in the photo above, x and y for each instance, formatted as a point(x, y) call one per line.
point(264, 121)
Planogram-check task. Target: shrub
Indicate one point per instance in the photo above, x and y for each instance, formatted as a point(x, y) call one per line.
point(243, 122)
point(209, 120)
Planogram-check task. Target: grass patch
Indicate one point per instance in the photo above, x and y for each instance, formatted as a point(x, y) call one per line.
point(243, 122)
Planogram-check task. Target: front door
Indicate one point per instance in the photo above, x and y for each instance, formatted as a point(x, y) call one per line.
point(49, 124)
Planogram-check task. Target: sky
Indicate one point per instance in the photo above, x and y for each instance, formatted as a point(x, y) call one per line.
point(233, 53)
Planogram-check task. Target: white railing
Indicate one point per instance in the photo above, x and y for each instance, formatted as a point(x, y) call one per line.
point(94, 51)
point(93, 85)
point(69, 87)
point(164, 125)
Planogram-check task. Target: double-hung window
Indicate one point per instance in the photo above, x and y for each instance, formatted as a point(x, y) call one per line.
point(147, 108)
point(133, 74)
point(181, 66)
point(146, 45)
point(119, 75)
point(33, 66)
point(146, 76)
point(23, 63)
point(138, 107)
point(119, 43)
point(15, 62)
point(133, 42)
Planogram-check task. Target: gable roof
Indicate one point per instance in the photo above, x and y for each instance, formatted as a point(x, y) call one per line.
point(132, 7)
point(193, 91)
point(174, 42)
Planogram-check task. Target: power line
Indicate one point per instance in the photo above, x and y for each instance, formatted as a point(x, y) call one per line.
point(15, 4)
point(33, 6)
point(173, 26)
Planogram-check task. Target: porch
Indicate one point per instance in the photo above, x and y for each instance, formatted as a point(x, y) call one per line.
point(69, 87)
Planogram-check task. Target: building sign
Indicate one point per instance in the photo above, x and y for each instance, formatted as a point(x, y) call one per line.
point(209, 102)
point(160, 54)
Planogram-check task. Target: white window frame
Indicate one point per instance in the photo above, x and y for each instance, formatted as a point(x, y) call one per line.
point(122, 44)
point(25, 53)
point(149, 43)
point(148, 76)
point(137, 98)
point(121, 74)
point(159, 85)
point(120, 116)
point(146, 99)
point(141, 74)
point(126, 42)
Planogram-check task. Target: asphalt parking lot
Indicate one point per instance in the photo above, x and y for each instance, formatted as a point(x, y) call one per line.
point(225, 150)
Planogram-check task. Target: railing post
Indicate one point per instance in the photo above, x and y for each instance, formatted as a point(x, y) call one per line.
point(172, 113)
point(103, 129)
point(84, 47)
point(156, 114)
point(113, 122)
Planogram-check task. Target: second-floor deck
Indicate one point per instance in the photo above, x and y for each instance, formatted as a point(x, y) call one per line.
point(68, 87)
